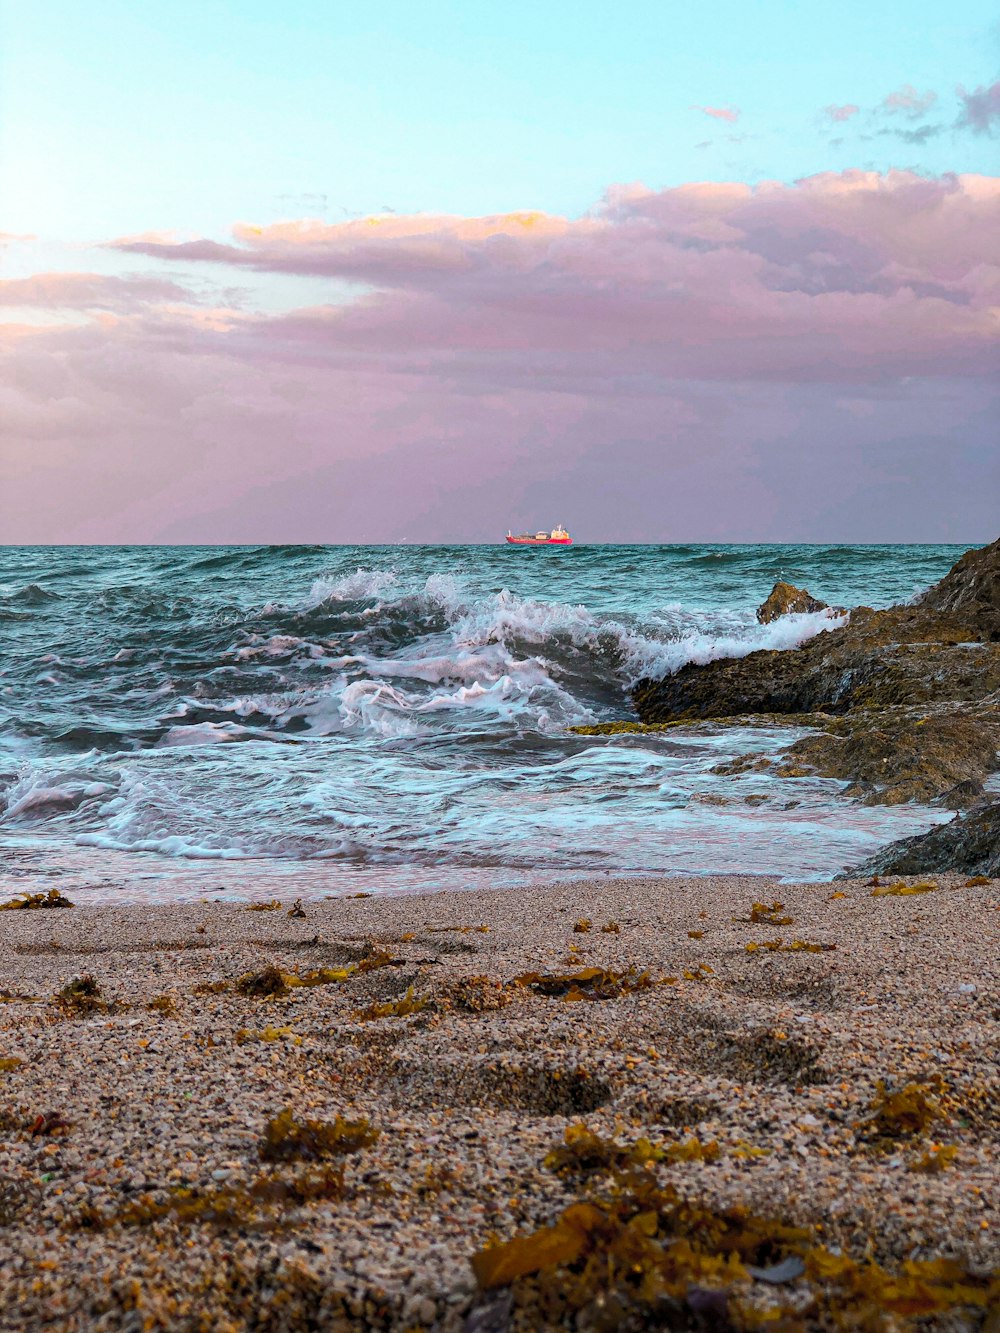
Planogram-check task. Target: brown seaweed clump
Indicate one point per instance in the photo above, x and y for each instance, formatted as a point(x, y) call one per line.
point(637, 1251)
point(768, 914)
point(902, 890)
point(409, 1004)
point(938, 1157)
point(639, 1254)
point(376, 959)
point(904, 1113)
point(591, 983)
point(287, 1139)
point(793, 946)
point(584, 1153)
point(217, 987)
point(228, 1207)
point(80, 997)
point(270, 981)
point(32, 901)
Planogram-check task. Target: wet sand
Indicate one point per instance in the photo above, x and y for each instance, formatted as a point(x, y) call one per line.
point(133, 1193)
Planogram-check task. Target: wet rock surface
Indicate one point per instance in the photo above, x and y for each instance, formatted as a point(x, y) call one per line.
point(891, 756)
point(970, 844)
point(879, 659)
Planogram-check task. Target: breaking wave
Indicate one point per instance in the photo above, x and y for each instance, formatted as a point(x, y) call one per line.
point(412, 709)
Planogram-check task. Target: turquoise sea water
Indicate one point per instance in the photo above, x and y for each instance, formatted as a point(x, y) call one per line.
point(393, 717)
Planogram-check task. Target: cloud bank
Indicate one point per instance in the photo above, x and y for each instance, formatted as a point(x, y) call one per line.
point(807, 361)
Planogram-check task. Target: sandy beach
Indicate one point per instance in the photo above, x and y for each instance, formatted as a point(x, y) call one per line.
point(141, 1186)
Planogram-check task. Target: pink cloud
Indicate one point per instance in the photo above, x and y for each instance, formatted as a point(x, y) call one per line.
point(980, 109)
point(882, 233)
point(841, 113)
point(727, 113)
point(667, 339)
point(908, 102)
point(75, 291)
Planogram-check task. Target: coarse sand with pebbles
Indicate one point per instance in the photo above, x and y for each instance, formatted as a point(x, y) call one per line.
point(700, 1103)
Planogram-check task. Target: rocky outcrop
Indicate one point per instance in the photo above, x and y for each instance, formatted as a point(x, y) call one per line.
point(970, 844)
point(880, 659)
point(905, 655)
point(970, 589)
point(908, 699)
point(785, 599)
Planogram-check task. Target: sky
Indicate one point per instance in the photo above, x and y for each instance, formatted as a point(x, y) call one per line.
point(424, 271)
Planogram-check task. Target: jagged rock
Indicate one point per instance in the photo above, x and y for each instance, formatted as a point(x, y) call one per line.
point(970, 845)
point(971, 587)
point(880, 659)
point(905, 655)
point(785, 599)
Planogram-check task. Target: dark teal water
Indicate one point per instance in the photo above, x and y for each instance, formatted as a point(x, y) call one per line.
point(402, 712)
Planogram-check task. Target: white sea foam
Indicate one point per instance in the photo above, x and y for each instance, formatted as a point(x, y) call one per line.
point(647, 657)
point(215, 733)
point(171, 845)
point(278, 645)
point(506, 617)
point(541, 691)
point(40, 794)
point(489, 664)
point(357, 587)
point(378, 708)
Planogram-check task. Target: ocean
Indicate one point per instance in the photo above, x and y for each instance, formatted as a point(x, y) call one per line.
point(182, 721)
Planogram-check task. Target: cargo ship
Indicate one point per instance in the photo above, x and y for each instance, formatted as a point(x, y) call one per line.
point(557, 537)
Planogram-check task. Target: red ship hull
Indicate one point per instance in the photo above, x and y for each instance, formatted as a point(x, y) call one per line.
point(535, 541)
